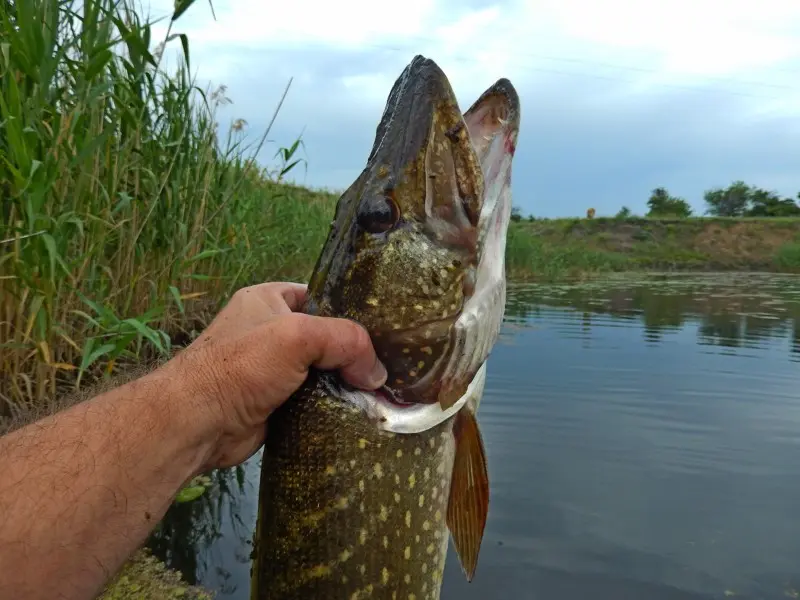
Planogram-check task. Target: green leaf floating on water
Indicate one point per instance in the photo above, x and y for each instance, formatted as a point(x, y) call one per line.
point(194, 490)
point(190, 493)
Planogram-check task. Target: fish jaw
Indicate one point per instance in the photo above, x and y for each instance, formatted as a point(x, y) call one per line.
point(413, 417)
point(493, 122)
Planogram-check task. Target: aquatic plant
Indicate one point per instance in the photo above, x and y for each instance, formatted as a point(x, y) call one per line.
point(144, 576)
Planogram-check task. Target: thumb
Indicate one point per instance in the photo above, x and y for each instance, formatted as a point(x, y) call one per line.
point(329, 343)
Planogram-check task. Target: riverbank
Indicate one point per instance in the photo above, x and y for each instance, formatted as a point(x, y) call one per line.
point(560, 248)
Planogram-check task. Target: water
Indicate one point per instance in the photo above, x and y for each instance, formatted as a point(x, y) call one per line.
point(643, 438)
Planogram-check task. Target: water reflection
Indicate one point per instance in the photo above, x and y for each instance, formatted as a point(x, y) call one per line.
point(209, 539)
point(643, 438)
point(732, 309)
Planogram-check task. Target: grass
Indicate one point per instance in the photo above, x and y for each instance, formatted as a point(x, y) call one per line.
point(124, 209)
point(552, 249)
point(530, 255)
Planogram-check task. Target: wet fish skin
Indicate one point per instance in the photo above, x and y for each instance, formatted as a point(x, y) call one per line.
point(354, 512)
point(348, 509)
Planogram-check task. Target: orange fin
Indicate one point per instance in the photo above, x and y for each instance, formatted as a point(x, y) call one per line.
point(469, 492)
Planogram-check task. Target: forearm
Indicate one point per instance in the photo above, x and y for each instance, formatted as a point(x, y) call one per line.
point(81, 490)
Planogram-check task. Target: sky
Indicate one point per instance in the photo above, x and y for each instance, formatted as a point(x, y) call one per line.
point(617, 97)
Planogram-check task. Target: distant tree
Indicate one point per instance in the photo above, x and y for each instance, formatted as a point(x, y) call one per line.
point(590, 213)
point(516, 214)
point(661, 204)
point(624, 213)
point(728, 202)
point(740, 199)
point(764, 203)
point(658, 196)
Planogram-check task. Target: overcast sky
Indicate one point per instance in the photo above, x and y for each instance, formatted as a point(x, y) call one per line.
point(618, 97)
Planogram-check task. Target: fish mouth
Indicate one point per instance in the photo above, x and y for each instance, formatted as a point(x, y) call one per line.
point(407, 418)
point(456, 379)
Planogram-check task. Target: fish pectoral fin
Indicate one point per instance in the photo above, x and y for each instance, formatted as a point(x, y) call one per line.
point(468, 504)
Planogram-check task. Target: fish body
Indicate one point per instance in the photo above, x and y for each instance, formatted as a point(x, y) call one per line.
point(360, 491)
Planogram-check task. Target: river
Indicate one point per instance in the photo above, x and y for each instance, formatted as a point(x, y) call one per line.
point(643, 438)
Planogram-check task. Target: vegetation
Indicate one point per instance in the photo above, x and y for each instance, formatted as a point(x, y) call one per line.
point(663, 205)
point(740, 199)
point(751, 229)
point(788, 257)
point(624, 213)
point(545, 249)
point(125, 212)
point(737, 200)
point(146, 578)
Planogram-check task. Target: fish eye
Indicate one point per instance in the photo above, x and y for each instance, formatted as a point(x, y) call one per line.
point(379, 214)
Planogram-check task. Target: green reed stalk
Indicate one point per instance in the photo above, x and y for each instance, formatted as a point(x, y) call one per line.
point(123, 211)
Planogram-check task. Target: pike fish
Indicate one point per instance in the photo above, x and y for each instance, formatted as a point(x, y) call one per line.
point(361, 491)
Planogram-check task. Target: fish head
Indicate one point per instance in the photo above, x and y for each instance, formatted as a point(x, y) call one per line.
point(404, 237)
point(415, 237)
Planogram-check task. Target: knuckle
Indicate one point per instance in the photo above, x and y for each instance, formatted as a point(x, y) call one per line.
point(361, 339)
point(355, 340)
point(294, 326)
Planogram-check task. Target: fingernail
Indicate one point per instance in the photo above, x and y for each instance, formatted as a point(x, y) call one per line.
point(377, 376)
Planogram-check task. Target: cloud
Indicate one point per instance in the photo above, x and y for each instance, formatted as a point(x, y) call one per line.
point(708, 37)
point(617, 97)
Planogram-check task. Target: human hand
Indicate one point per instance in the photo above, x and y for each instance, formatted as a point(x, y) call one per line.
point(254, 355)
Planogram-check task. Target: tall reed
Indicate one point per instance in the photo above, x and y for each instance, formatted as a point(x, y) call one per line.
point(122, 207)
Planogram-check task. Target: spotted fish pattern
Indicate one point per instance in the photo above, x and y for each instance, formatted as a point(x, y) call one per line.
point(346, 500)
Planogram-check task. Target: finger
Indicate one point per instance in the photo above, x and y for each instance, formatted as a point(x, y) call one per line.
point(295, 295)
point(328, 343)
point(282, 297)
